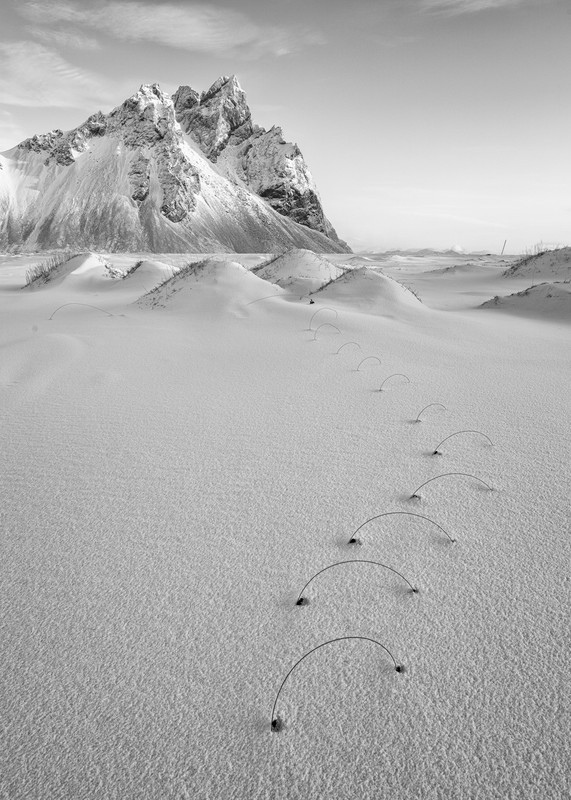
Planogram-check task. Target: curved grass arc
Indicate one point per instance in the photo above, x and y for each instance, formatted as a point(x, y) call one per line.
point(456, 434)
point(324, 325)
point(398, 668)
point(399, 513)
point(366, 359)
point(345, 345)
point(315, 313)
point(445, 475)
point(394, 375)
point(430, 405)
point(88, 305)
point(266, 297)
point(355, 561)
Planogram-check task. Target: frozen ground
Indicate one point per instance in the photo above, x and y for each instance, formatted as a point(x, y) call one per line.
point(175, 469)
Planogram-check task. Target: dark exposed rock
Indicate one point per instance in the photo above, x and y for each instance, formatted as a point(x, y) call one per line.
point(55, 144)
point(276, 171)
point(180, 184)
point(219, 117)
point(139, 175)
point(220, 122)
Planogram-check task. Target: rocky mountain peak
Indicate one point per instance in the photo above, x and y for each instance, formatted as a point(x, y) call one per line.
point(145, 117)
point(218, 117)
point(139, 184)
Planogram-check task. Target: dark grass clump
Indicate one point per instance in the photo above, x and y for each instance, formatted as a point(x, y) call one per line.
point(42, 273)
point(133, 268)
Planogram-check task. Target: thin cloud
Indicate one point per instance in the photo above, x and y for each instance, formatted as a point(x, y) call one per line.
point(34, 75)
point(10, 131)
point(195, 27)
point(455, 7)
point(64, 38)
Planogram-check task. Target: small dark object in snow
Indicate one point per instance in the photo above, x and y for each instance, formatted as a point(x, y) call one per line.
point(302, 601)
point(437, 453)
point(277, 724)
point(399, 668)
point(355, 540)
point(311, 302)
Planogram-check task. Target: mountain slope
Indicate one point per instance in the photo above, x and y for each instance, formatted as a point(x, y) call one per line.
point(129, 180)
point(220, 122)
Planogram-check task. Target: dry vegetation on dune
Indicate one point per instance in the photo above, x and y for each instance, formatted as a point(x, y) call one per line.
point(46, 270)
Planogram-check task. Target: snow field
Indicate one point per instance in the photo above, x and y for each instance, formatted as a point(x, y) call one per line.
point(173, 476)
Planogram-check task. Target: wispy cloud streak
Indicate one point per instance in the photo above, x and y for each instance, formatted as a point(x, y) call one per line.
point(64, 38)
point(33, 75)
point(189, 26)
point(455, 7)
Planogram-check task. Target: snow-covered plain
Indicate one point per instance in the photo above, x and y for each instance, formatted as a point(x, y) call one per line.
point(175, 468)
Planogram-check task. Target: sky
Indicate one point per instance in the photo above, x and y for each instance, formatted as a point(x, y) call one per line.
point(425, 123)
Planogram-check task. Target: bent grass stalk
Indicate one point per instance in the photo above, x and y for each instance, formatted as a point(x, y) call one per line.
point(354, 540)
point(277, 724)
point(436, 451)
point(367, 359)
point(345, 345)
point(266, 297)
point(88, 305)
point(430, 405)
point(315, 313)
point(394, 375)
point(445, 475)
point(302, 601)
point(324, 325)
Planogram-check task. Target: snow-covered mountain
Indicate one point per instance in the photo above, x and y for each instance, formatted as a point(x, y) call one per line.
point(191, 173)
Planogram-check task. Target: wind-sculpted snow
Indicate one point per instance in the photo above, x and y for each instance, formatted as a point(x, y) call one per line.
point(549, 301)
point(173, 474)
point(372, 293)
point(130, 180)
point(547, 265)
point(299, 271)
point(211, 286)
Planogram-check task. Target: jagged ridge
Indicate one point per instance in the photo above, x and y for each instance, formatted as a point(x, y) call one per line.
point(130, 180)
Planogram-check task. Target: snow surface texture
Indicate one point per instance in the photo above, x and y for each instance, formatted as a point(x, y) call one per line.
point(173, 473)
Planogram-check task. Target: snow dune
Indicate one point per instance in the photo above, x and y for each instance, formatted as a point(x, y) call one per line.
point(212, 285)
point(299, 271)
point(546, 301)
point(550, 265)
point(173, 474)
point(370, 292)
